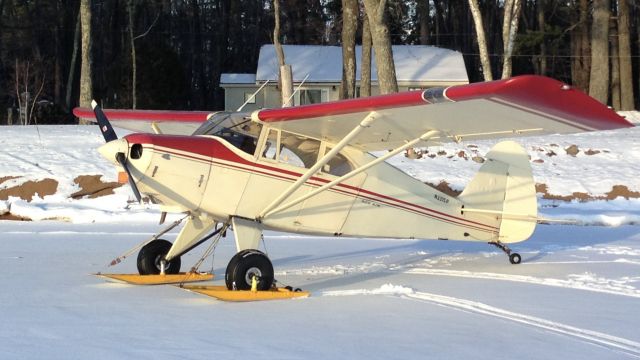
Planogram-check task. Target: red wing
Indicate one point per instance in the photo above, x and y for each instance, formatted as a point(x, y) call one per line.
point(523, 105)
point(169, 122)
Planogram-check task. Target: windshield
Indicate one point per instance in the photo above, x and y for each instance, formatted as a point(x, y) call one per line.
point(236, 128)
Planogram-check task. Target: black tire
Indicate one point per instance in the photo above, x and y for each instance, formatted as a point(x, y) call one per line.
point(515, 258)
point(150, 256)
point(245, 264)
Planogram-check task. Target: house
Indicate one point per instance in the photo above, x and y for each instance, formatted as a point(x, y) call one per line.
point(417, 67)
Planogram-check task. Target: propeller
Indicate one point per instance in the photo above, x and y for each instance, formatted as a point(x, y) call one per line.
point(110, 135)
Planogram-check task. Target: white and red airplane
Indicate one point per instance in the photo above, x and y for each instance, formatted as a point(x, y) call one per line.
point(307, 169)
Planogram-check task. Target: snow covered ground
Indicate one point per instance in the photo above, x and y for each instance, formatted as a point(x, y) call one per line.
point(576, 295)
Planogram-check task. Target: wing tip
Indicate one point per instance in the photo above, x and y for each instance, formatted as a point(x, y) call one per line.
point(94, 104)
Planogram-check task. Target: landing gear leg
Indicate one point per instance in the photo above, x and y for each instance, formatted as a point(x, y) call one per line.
point(514, 257)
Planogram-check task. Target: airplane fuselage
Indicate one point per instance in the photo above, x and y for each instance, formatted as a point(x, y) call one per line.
point(207, 174)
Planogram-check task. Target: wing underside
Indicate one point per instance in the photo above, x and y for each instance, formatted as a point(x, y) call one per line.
point(525, 105)
point(148, 121)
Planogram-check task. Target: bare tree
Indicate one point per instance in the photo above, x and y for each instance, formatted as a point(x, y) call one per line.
point(423, 21)
point(624, 45)
point(482, 40)
point(134, 101)
point(365, 59)
point(381, 40)
point(72, 67)
point(615, 66)
point(509, 32)
point(581, 48)
point(86, 71)
point(25, 77)
point(286, 75)
point(132, 38)
point(542, 60)
point(599, 79)
point(349, 27)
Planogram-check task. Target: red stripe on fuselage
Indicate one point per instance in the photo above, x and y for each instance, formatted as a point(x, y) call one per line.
point(215, 149)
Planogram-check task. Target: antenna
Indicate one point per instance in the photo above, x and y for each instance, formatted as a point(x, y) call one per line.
point(298, 88)
point(253, 97)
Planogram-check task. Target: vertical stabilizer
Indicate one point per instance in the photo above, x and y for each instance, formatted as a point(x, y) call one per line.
point(503, 193)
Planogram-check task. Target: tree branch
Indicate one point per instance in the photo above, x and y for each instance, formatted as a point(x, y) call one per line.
point(149, 29)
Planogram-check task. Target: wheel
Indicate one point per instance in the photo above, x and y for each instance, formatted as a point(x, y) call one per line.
point(246, 264)
point(152, 254)
point(515, 258)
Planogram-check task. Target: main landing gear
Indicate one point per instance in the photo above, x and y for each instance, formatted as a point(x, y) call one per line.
point(151, 259)
point(514, 257)
point(249, 275)
point(246, 265)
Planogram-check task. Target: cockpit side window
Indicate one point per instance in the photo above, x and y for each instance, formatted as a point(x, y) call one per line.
point(338, 165)
point(243, 142)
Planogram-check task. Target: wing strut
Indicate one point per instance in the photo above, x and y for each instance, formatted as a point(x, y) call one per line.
point(425, 137)
point(365, 123)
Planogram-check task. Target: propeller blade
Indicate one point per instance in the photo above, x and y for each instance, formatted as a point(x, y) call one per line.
point(123, 161)
point(105, 126)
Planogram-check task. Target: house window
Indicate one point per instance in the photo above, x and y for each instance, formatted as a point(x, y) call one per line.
point(311, 96)
point(249, 98)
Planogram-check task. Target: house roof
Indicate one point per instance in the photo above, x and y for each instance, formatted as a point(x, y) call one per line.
point(420, 63)
point(238, 79)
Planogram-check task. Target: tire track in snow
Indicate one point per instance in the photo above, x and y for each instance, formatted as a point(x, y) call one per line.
point(611, 342)
point(607, 286)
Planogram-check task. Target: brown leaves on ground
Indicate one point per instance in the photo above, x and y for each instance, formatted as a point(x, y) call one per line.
point(616, 191)
point(92, 187)
point(29, 189)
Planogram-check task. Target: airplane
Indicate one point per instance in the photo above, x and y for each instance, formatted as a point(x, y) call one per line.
point(309, 169)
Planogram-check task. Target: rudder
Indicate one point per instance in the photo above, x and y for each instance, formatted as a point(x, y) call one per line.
point(503, 193)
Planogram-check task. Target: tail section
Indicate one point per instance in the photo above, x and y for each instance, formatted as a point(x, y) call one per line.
point(503, 193)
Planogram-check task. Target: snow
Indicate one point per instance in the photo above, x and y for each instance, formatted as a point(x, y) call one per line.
point(575, 295)
point(616, 163)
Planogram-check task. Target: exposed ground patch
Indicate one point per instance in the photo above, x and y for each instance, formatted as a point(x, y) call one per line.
point(29, 189)
point(92, 187)
point(616, 191)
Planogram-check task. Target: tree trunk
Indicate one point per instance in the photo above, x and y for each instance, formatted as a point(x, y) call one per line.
point(72, 67)
point(86, 72)
point(506, 22)
point(286, 76)
point(349, 27)
point(381, 41)
point(134, 68)
point(615, 66)
point(581, 49)
point(509, 32)
point(365, 64)
point(423, 19)
point(624, 45)
point(542, 61)
point(599, 79)
point(482, 40)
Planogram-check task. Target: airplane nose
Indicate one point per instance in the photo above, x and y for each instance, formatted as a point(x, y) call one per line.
point(110, 149)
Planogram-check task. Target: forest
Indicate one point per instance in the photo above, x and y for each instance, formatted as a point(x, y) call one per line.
point(169, 54)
